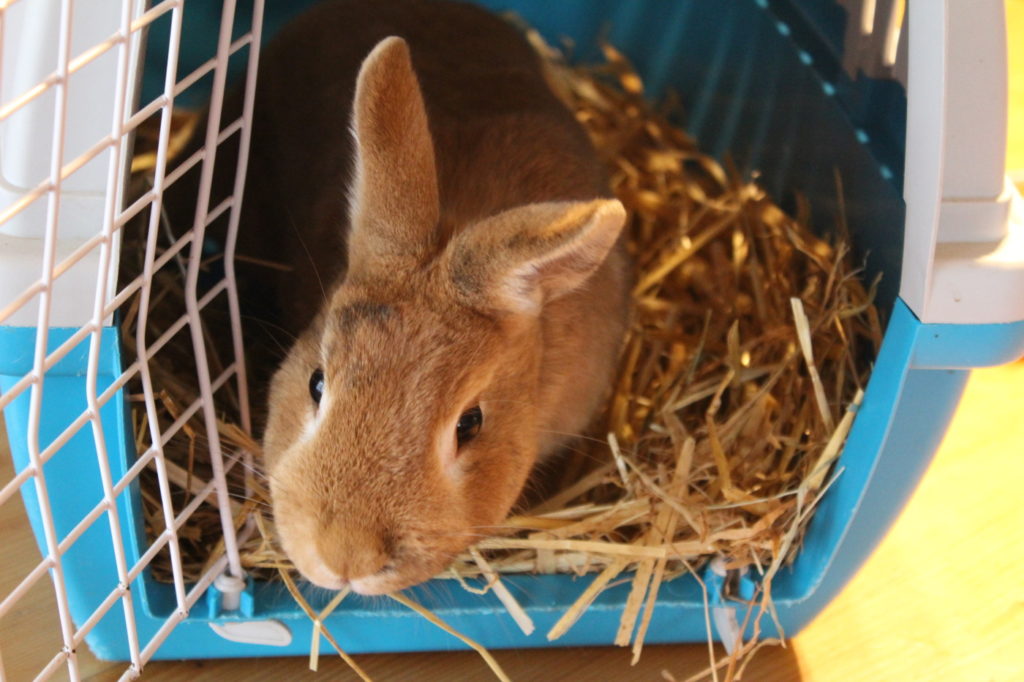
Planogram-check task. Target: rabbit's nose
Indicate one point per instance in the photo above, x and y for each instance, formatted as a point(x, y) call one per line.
point(354, 552)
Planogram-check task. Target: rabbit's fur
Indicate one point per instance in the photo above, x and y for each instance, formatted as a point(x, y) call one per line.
point(453, 244)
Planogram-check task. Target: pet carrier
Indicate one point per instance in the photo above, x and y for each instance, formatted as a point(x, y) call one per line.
point(907, 108)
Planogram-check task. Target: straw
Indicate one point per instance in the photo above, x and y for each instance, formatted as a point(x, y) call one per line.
point(429, 615)
point(319, 627)
point(750, 343)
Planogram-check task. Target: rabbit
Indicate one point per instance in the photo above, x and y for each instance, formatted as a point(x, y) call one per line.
point(459, 285)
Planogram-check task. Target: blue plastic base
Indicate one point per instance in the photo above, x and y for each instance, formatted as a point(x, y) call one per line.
point(894, 435)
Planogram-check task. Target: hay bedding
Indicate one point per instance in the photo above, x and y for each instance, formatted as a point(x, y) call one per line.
point(750, 343)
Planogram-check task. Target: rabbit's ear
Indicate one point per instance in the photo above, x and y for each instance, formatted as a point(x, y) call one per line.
point(394, 204)
point(521, 258)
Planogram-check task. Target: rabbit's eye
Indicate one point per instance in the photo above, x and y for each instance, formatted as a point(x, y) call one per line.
point(469, 425)
point(316, 385)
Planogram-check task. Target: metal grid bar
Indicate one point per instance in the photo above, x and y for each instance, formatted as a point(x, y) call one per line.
point(79, 62)
point(108, 244)
point(8, 490)
point(171, 92)
point(179, 170)
point(108, 602)
point(141, 343)
point(208, 66)
point(15, 483)
point(53, 666)
point(25, 585)
point(106, 241)
point(104, 505)
point(109, 500)
point(232, 240)
point(188, 600)
point(871, 43)
point(71, 167)
point(61, 352)
point(199, 499)
point(31, 292)
point(42, 333)
point(111, 390)
point(893, 28)
point(194, 406)
point(144, 201)
point(193, 596)
point(197, 591)
point(191, 290)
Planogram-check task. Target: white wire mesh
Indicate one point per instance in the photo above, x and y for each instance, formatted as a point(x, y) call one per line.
point(875, 41)
point(41, 233)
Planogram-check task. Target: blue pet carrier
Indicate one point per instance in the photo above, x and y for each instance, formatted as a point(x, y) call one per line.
point(907, 108)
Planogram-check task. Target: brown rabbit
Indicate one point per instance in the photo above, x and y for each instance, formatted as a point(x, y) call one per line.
point(475, 283)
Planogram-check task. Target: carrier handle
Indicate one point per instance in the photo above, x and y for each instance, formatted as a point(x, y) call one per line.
point(963, 257)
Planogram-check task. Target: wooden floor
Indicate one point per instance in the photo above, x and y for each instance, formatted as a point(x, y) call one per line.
point(941, 599)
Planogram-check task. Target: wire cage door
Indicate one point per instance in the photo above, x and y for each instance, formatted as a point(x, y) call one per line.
point(71, 122)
